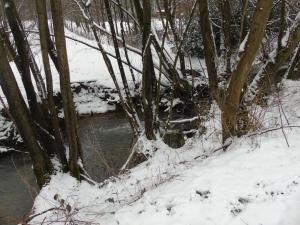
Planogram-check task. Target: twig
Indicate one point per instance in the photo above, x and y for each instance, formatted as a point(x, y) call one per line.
point(271, 129)
point(38, 214)
point(250, 135)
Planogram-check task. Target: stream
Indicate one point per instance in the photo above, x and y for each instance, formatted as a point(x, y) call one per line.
point(106, 142)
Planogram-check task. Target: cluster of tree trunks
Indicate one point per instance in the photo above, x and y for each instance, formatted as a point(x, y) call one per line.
point(38, 123)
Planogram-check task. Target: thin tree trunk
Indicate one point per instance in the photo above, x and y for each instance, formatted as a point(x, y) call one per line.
point(139, 11)
point(244, 21)
point(282, 25)
point(68, 104)
point(226, 22)
point(294, 70)
point(121, 15)
point(171, 18)
point(209, 49)
point(148, 83)
point(120, 63)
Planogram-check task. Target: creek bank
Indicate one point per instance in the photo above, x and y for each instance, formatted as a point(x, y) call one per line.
point(93, 99)
point(90, 99)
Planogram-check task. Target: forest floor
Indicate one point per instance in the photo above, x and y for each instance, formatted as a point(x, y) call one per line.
point(255, 182)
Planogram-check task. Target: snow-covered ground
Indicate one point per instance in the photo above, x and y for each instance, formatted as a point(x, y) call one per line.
point(255, 182)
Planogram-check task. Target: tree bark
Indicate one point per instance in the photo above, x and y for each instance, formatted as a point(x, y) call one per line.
point(282, 25)
point(226, 27)
point(244, 21)
point(44, 36)
point(148, 82)
point(68, 104)
point(263, 81)
point(171, 18)
point(209, 49)
point(24, 62)
point(41, 163)
point(239, 75)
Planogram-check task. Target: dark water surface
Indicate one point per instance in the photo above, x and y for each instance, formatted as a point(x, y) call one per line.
point(105, 141)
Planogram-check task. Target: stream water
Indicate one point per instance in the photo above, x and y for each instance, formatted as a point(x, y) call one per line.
point(106, 143)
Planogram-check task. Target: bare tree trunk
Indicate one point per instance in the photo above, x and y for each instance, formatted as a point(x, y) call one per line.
point(239, 75)
point(2, 16)
point(23, 61)
point(148, 86)
point(135, 15)
point(264, 80)
point(120, 63)
point(127, 17)
point(68, 104)
point(244, 21)
point(161, 17)
point(11, 50)
point(282, 25)
point(32, 63)
point(226, 22)
point(121, 15)
point(294, 70)
point(209, 49)
point(139, 11)
point(41, 163)
point(43, 29)
point(171, 18)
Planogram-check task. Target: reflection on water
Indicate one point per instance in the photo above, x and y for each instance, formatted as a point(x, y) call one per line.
point(105, 141)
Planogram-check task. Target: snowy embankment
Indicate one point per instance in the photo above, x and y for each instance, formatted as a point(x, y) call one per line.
point(86, 64)
point(255, 182)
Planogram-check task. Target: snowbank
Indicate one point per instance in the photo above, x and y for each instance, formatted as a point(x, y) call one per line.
point(255, 182)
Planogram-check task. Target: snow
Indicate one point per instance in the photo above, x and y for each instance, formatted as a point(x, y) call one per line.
point(88, 3)
point(3, 150)
point(93, 98)
point(243, 44)
point(85, 64)
point(6, 149)
point(185, 120)
point(285, 38)
point(256, 181)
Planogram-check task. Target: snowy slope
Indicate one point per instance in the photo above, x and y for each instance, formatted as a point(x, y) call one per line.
point(86, 64)
point(255, 182)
